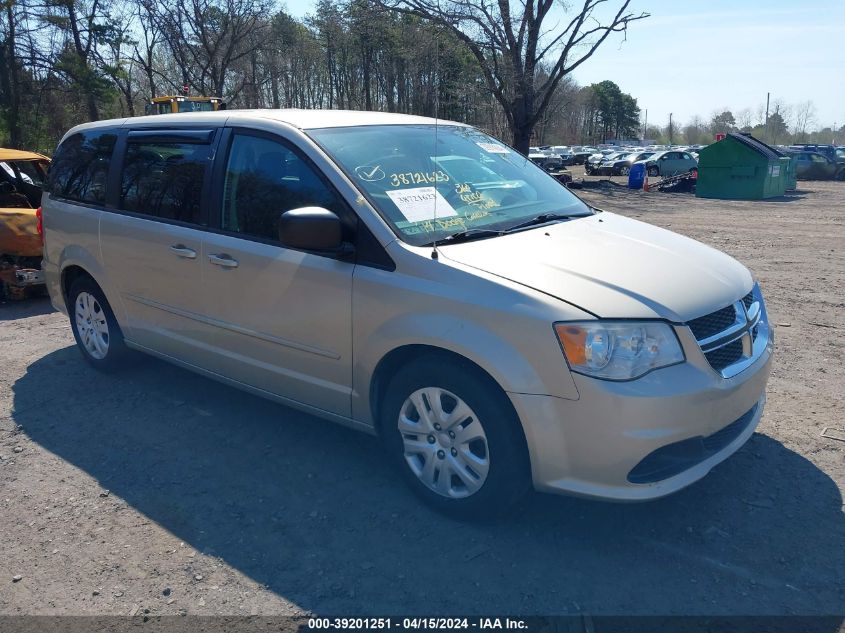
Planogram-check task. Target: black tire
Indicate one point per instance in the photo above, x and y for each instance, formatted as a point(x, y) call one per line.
point(116, 354)
point(653, 170)
point(508, 477)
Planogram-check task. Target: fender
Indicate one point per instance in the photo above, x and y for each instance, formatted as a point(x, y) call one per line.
point(74, 255)
point(506, 364)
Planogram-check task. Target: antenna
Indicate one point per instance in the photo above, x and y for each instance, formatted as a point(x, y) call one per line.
point(434, 253)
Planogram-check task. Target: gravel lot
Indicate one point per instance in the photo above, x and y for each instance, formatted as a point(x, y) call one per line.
point(157, 489)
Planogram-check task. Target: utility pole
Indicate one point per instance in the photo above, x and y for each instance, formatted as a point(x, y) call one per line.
point(671, 129)
point(645, 125)
point(766, 124)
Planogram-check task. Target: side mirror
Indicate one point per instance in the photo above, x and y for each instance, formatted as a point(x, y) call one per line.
point(311, 229)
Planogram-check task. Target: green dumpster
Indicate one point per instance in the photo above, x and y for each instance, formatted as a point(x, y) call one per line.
point(739, 167)
point(790, 178)
point(792, 166)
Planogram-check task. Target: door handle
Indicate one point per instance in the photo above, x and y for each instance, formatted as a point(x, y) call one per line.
point(183, 251)
point(222, 259)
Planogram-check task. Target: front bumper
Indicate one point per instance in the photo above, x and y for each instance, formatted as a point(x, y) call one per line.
point(590, 446)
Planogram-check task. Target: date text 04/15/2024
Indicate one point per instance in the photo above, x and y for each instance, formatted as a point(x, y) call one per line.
point(417, 623)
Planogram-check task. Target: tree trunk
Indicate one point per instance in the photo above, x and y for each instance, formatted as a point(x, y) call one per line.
point(274, 89)
point(366, 61)
point(523, 120)
point(522, 137)
point(11, 66)
point(93, 110)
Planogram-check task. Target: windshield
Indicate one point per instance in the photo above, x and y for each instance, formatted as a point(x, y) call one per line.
point(32, 172)
point(429, 184)
point(196, 106)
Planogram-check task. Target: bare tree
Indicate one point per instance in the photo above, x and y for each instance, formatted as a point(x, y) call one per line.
point(149, 41)
point(116, 58)
point(745, 119)
point(208, 36)
point(695, 130)
point(784, 111)
point(511, 45)
point(805, 116)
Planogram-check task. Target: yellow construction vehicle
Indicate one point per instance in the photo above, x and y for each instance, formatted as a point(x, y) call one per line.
point(172, 103)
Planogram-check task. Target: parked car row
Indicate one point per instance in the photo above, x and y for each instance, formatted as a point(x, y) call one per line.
point(615, 161)
point(814, 162)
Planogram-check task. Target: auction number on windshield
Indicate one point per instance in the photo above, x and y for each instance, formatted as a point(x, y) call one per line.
point(418, 178)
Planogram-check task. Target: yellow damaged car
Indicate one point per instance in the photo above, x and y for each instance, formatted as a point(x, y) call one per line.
point(22, 178)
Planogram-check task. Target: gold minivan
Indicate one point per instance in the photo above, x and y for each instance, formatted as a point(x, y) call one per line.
point(414, 279)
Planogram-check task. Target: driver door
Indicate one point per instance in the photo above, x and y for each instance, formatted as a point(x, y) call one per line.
point(282, 318)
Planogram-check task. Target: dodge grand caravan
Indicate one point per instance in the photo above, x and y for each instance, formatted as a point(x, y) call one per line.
point(414, 279)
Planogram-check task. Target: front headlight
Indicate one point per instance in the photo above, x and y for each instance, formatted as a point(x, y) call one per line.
point(618, 350)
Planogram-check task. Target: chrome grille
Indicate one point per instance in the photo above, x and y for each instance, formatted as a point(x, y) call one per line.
point(725, 356)
point(713, 323)
point(728, 336)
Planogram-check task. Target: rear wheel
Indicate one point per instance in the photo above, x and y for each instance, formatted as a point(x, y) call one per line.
point(456, 439)
point(94, 327)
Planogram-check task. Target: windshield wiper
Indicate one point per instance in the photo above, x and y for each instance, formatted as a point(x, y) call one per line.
point(467, 236)
point(478, 233)
point(543, 218)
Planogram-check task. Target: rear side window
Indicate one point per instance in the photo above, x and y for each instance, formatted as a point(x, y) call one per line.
point(164, 180)
point(80, 167)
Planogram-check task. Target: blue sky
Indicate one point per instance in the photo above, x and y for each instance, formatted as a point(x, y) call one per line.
point(693, 57)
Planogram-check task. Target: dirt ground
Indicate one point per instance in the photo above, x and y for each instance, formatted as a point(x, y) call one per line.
point(159, 490)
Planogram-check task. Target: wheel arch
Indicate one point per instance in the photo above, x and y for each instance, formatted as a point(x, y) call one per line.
point(406, 354)
point(69, 275)
point(76, 261)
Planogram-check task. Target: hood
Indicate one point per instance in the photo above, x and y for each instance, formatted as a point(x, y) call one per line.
point(613, 267)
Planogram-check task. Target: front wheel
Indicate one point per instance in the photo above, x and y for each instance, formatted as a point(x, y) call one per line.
point(456, 439)
point(653, 171)
point(94, 327)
